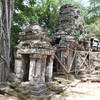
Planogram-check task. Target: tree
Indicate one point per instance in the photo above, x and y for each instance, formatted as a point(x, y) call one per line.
point(93, 11)
point(94, 29)
point(5, 31)
point(43, 12)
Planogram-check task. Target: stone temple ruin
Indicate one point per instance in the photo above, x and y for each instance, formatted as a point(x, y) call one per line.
point(37, 60)
point(88, 57)
point(76, 55)
point(79, 56)
point(69, 23)
point(34, 57)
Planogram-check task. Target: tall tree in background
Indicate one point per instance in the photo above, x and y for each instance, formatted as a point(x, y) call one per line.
point(6, 8)
point(93, 11)
point(94, 29)
point(93, 18)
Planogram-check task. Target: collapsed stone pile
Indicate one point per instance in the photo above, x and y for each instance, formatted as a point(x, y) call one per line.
point(69, 20)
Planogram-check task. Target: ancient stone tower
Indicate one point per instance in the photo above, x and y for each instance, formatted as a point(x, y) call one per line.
point(34, 56)
point(68, 26)
point(69, 21)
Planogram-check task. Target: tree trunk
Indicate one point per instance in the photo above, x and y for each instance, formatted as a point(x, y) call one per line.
point(6, 8)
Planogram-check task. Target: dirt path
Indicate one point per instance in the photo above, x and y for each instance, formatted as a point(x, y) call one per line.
point(85, 91)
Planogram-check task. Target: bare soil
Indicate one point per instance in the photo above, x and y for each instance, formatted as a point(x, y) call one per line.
point(85, 91)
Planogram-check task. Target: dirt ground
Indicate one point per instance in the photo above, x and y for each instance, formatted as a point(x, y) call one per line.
point(85, 91)
point(2, 97)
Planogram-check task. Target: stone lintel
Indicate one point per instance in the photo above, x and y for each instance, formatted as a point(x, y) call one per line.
point(37, 51)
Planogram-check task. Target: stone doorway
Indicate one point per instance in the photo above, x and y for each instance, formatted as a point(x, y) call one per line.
point(26, 66)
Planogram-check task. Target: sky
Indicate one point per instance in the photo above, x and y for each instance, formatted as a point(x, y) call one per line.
point(84, 2)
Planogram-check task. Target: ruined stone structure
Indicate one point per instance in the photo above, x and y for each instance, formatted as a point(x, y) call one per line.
point(89, 44)
point(34, 56)
point(87, 58)
point(69, 23)
point(79, 56)
point(87, 63)
point(36, 60)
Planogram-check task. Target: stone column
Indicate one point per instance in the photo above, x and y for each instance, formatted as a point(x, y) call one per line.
point(49, 68)
point(43, 68)
point(18, 69)
point(32, 68)
point(63, 59)
point(35, 70)
point(38, 70)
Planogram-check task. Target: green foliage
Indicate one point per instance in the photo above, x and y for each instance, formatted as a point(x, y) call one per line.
point(31, 12)
point(92, 18)
point(15, 36)
point(93, 11)
point(94, 29)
